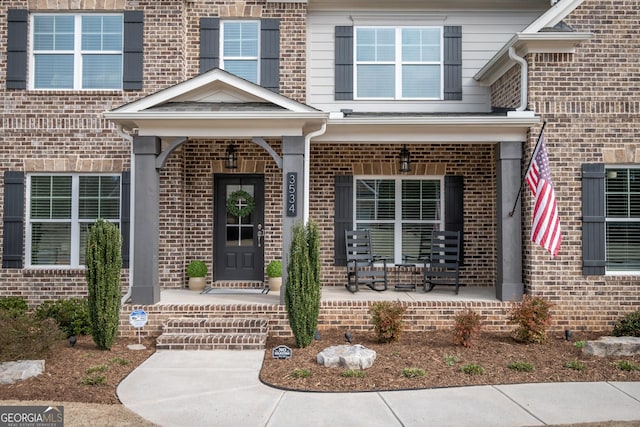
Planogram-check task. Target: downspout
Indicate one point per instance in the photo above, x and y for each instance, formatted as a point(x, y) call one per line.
point(524, 83)
point(307, 169)
point(132, 197)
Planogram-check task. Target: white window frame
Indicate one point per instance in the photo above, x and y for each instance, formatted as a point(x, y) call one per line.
point(74, 220)
point(616, 220)
point(398, 63)
point(241, 58)
point(398, 221)
point(77, 52)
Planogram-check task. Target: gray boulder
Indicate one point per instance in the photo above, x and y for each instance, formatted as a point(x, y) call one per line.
point(346, 356)
point(613, 346)
point(11, 372)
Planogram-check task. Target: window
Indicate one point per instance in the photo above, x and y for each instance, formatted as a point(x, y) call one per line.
point(399, 63)
point(622, 219)
point(401, 213)
point(240, 45)
point(61, 208)
point(77, 51)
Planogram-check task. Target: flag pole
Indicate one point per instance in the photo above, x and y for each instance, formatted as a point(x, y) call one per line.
point(527, 169)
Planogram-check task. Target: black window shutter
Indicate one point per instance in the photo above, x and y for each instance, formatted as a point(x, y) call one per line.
point(453, 63)
point(209, 44)
point(13, 241)
point(343, 216)
point(454, 207)
point(270, 54)
point(125, 216)
point(17, 38)
point(593, 219)
point(344, 63)
point(133, 50)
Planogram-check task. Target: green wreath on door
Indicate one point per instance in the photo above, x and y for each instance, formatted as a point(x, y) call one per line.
point(234, 209)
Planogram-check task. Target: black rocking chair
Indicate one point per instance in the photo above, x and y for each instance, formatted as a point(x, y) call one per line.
point(360, 263)
point(443, 265)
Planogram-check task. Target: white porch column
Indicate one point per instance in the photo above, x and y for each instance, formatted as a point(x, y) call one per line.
point(509, 285)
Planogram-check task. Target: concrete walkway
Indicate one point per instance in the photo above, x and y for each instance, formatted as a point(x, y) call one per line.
point(221, 388)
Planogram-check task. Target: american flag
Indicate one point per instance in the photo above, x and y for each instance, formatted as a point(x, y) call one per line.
point(545, 226)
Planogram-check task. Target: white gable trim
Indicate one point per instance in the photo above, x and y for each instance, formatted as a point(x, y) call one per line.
point(554, 15)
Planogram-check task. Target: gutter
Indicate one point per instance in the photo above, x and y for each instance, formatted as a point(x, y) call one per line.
point(524, 78)
point(132, 198)
point(307, 168)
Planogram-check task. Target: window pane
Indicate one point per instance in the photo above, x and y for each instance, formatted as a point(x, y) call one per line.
point(101, 33)
point(248, 70)
point(623, 246)
point(416, 239)
point(375, 44)
point(376, 81)
point(102, 71)
point(421, 200)
point(50, 197)
point(240, 39)
point(50, 244)
point(375, 199)
point(53, 32)
point(421, 81)
point(99, 197)
point(421, 44)
point(53, 71)
point(381, 239)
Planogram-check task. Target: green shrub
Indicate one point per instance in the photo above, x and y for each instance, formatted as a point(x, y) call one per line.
point(576, 365)
point(521, 366)
point(119, 361)
point(386, 317)
point(413, 372)
point(301, 373)
point(466, 327)
point(353, 373)
point(72, 315)
point(23, 336)
point(93, 380)
point(13, 305)
point(472, 369)
point(626, 365)
point(302, 290)
point(629, 326)
point(274, 269)
point(97, 368)
point(579, 344)
point(102, 270)
point(197, 268)
point(533, 317)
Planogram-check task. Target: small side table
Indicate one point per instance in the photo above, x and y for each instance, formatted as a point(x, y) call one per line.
point(405, 286)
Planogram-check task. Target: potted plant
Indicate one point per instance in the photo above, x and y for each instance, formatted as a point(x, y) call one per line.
point(274, 272)
point(197, 272)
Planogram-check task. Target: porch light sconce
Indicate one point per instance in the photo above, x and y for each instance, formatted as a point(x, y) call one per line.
point(231, 157)
point(405, 160)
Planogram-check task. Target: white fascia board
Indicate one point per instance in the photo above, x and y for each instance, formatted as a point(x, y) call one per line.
point(428, 130)
point(525, 43)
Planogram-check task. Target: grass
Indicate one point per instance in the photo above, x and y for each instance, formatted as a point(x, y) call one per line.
point(625, 365)
point(521, 366)
point(576, 365)
point(301, 373)
point(451, 359)
point(472, 369)
point(413, 372)
point(353, 373)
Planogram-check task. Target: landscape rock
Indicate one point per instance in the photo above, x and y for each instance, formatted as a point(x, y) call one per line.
point(11, 372)
point(347, 356)
point(613, 346)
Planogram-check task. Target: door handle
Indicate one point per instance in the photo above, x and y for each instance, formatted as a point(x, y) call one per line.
point(260, 235)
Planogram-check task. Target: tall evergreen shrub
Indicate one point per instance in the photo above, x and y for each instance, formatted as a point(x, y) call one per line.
point(302, 293)
point(102, 269)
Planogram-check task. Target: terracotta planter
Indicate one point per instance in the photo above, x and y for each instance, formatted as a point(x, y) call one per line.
point(197, 283)
point(275, 283)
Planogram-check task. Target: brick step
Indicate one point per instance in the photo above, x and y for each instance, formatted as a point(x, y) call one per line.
point(211, 341)
point(190, 333)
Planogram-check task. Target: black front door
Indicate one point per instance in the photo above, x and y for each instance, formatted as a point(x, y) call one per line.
point(238, 227)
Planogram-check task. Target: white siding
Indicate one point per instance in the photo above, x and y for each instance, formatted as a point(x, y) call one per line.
point(483, 34)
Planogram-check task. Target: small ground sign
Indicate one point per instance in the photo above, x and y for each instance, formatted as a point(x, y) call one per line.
point(281, 352)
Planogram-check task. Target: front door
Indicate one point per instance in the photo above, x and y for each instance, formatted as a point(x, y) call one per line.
point(238, 227)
